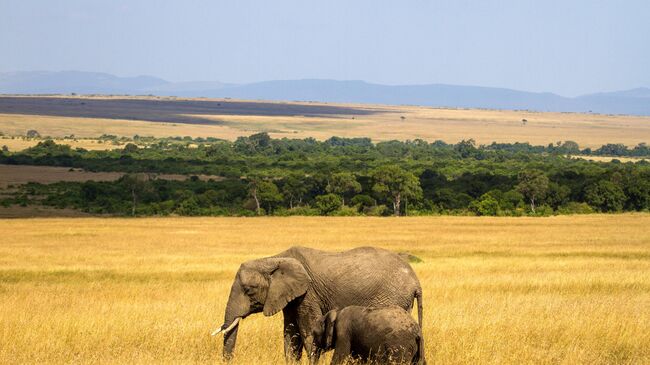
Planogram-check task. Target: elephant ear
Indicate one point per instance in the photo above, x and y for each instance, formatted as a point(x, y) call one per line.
point(330, 323)
point(289, 280)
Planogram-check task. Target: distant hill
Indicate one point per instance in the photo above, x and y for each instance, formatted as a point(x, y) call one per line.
point(44, 82)
point(635, 101)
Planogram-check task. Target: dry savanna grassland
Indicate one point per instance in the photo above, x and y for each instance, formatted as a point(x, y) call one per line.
point(19, 144)
point(90, 117)
point(556, 290)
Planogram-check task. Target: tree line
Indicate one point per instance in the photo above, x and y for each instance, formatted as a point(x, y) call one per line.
point(259, 175)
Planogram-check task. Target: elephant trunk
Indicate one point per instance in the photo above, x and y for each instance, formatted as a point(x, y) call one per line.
point(237, 308)
point(229, 340)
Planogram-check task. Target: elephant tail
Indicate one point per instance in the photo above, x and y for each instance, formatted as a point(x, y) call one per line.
point(418, 298)
point(420, 355)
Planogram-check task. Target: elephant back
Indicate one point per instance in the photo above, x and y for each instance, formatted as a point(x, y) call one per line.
point(365, 276)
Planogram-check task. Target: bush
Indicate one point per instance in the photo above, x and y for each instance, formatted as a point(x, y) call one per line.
point(362, 201)
point(377, 210)
point(32, 133)
point(328, 203)
point(423, 212)
point(346, 211)
point(215, 211)
point(302, 210)
point(163, 208)
point(130, 148)
point(511, 200)
point(486, 205)
point(576, 208)
point(543, 211)
point(188, 207)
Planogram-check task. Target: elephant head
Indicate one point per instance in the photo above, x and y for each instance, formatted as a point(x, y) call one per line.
point(324, 334)
point(265, 285)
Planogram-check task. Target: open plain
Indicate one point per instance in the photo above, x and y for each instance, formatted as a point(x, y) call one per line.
point(556, 290)
point(90, 117)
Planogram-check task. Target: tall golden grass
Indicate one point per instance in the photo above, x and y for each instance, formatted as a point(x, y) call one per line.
point(558, 290)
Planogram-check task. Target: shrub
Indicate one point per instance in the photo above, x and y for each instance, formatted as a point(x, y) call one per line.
point(188, 207)
point(362, 201)
point(346, 211)
point(377, 210)
point(130, 148)
point(485, 205)
point(301, 210)
point(576, 208)
point(32, 133)
point(328, 203)
point(543, 211)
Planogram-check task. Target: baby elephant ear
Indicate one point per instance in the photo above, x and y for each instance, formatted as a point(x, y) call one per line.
point(330, 323)
point(289, 280)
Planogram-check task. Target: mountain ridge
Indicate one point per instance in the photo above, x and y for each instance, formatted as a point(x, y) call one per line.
point(633, 101)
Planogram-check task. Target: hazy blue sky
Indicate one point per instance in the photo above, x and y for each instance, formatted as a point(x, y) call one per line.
point(568, 47)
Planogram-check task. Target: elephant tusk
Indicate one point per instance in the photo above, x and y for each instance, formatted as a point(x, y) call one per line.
point(234, 323)
point(225, 331)
point(217, 331)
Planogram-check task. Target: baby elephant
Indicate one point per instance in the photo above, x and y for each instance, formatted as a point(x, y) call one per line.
point(370, 334)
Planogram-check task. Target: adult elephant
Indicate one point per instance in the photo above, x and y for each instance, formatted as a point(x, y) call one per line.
point(306, 283)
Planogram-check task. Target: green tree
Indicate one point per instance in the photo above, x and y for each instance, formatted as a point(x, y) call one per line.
point(189, 207)
point(466, 148)
point(295, 187)
point(343, 183)
point(511, 200)
point(363, 202)
point(397, 184)
point(264, 193)
point(485, 205)
point(570, 148)
point(328, 203)
point(32, 133)
point(533, 185)
point(557, 195)
point(260, 140)
point(606, 196)
point(138, 185)
point(130, 148)
point(637, 190)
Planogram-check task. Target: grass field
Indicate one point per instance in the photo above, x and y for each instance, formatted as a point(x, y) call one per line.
point(19, 144)
point(229, 119)
point(558, 290)
point(608, 158)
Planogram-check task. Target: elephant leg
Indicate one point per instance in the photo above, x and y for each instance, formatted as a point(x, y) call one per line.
point(293, 342)
point(316, 356)
point(312, 351)
point(309, 313)
point(342, 350)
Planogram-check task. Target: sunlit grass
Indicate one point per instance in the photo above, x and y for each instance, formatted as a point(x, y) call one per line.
point(496, 290)
point(384, 123)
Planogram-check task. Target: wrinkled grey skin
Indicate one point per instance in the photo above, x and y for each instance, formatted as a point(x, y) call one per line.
point(384, 335)
point(305, 283)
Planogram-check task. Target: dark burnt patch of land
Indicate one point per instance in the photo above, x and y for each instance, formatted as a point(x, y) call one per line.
point(167, 110)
